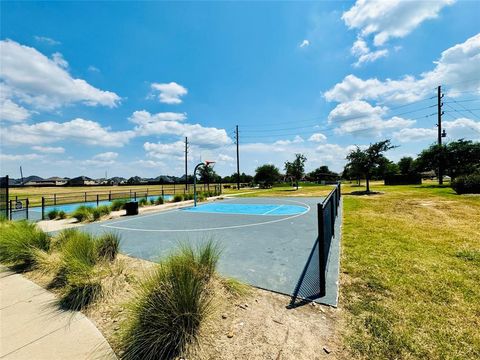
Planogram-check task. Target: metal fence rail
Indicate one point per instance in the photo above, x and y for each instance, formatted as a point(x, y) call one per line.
point(97, 198)
point(312, 282)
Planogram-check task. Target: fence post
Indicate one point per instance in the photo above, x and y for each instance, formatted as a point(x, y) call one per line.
point(173, 188)
point(85, 196)
point(321, 249)
point(135, 196)
point(10, 207)
point(43, 208)
point(26, 203)
point(97, 200)
point(54, 199)
point(110, 195)
point(162, 192)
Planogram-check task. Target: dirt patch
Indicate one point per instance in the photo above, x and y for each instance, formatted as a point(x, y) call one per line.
point(257, 325)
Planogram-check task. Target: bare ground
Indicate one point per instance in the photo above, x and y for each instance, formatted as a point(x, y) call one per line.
point(256, 325)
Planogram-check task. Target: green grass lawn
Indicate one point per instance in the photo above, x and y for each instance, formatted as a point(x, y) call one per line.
point(411, 273)
point(410, 282)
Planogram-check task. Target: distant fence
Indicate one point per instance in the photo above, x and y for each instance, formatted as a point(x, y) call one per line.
point(18, 209)
point(93, 198)
point(312, 282)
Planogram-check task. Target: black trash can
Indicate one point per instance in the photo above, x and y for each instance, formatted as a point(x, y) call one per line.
point(131, 208)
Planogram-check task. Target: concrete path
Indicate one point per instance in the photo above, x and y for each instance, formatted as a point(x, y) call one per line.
point(32, 327)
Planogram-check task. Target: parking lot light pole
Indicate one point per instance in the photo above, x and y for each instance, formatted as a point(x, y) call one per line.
point(206, 163)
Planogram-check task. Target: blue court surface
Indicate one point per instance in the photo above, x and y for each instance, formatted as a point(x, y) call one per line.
point(248, 209)
point(265, 242)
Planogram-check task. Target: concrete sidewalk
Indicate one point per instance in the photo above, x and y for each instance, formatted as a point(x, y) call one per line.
point(32, 327)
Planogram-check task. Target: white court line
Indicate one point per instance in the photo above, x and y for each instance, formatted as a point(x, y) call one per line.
point(268, 212)
point(208, 229)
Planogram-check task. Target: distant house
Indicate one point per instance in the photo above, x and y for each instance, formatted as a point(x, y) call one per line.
point(52, 181)
point(81, 181)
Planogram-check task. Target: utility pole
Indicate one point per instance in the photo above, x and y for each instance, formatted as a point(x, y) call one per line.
point(440, 134)
point(186, 163)
point(238, 159)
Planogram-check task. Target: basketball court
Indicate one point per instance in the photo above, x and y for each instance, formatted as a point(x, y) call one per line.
point(265, 242)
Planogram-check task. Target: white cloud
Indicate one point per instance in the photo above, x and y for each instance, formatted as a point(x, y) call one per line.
point(46, 40)
point(317, 137)
point(225, 158)
point(10, 111)
point(171, 124)
point(361, 50)
point(457, 69)
point(150, 164)
point(59, 60)
point(49, 149)
point(296, 140)
point(165, 150)
point(169, 93)
point(331, 153)
point(361, 118)
point(392, 18)
point(33, 79)
point(102, 159)
point(143, 117)
point(94, 69)
point(461, 128)
point(77, 130)
point(19, 157)
point(304, 43)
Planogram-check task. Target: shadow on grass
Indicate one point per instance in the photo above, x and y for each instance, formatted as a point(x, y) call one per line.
point(363, 193)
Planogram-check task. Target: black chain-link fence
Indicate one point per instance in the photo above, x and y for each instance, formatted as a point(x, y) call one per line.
point(312, 282)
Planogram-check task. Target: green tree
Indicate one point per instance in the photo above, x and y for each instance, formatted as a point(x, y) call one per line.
point(322, 173)
point(266, 175)
point(296, 169)
point(385, 168)
point(366, 161)
point(406, 165)
point(460, 157)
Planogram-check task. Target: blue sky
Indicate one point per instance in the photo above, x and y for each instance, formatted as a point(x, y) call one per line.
point(91, 87)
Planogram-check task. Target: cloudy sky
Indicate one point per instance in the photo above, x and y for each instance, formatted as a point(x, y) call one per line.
point(94, 87)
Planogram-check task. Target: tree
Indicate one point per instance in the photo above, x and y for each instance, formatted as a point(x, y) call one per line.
point(460, 157)
point(406, 165)
point(323, 173)
point(296, 169)
point(366, 161)
point(266, 175)
point(208, 175)
point(385, 168)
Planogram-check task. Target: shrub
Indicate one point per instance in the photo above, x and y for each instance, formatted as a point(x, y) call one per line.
point(104, 209)
point(78, 295)
point(118, 204)
point(79, 252)
point(83, 213)
point(62, 214)
point(469, 184)
point(96, 214)
point(53, 214)
point(177, 198)
point(20, 240)
point(159, 200)
point(143, 202)
point(171, 306)
point(108, 245)
point(188, 196)
point(62, 237)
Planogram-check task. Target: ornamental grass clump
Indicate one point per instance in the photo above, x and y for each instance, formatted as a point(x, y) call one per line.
point(83, 213)
point(118, 204)
point(108, 246)
point(53, 214)
point(20, 240)
point(172, 305)
point(177, 198)
point(159, 200)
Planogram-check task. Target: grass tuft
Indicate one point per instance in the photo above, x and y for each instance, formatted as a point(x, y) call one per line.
point(159, 200)
point(108, 246)
point(62, 214)
point(172, 304)
point(83, 213)
point(118, 204)
point(177, 198)
point(19, 241)
point(52, 214)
